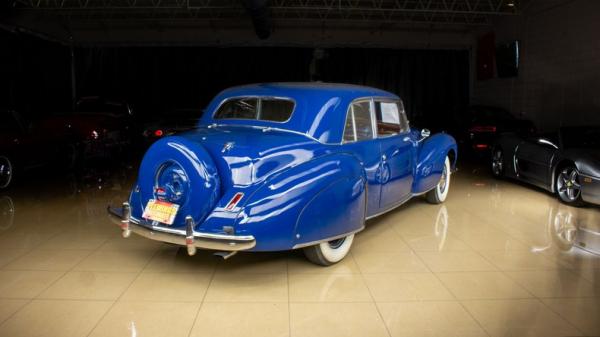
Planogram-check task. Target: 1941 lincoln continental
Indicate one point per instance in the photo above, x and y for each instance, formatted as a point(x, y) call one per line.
point(284, 166)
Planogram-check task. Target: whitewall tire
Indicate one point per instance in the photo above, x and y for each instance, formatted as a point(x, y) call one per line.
point(331, 252)
point(440, 192)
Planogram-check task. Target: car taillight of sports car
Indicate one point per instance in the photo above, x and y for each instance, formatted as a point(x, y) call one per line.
point(483, 129)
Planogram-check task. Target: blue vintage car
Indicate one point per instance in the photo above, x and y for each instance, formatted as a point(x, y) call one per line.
point(283, 166)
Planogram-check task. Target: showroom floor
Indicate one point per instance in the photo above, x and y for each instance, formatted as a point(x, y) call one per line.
point(486, 263)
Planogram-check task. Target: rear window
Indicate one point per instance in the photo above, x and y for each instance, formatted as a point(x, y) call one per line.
point(256, 108)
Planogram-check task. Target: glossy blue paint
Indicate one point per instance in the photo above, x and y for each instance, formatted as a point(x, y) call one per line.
point(301, 184)
point(320, 109)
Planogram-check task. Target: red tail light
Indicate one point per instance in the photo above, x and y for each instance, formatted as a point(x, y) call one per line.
point(481, 146)
point(158, 133)
point(479, 128)
point(234, 201)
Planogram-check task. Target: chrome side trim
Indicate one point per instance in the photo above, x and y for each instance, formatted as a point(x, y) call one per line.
point(267, 128)
point(393, 206)
point(399, 204)
point(312, 243)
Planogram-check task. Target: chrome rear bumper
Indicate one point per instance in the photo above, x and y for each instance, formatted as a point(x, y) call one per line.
point(185, 237)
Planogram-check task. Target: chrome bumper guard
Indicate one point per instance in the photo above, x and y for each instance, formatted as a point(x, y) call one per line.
point(184, 237)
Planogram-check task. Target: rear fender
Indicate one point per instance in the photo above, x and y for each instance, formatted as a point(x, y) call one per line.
point(316, 200)
point(432, 154)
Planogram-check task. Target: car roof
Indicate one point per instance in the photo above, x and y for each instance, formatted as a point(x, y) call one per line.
point(307, 87)
point(320, 108)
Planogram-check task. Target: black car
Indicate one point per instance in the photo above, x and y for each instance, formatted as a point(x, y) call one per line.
point(566, 162)
point(172, 122)
point(485, 123)
point(27, 144)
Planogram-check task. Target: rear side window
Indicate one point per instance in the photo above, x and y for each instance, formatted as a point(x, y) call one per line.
point(264, 109)
point(358, 125)
point(391, 118)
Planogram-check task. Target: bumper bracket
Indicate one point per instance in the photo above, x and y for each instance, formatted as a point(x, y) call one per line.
point(180, 236)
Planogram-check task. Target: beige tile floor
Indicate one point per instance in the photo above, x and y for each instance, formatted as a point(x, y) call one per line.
point(485, 263)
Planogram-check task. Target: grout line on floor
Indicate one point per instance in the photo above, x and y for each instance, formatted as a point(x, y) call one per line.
point(45, 288)
point(455, 297)
point(561, 316)
point(122, 293)
point(289, 304)
point(212, 277)
point(387, 329)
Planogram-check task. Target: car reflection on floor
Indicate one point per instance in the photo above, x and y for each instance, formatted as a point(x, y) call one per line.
point(497, 259)
point(575, 227)
point(7, 212)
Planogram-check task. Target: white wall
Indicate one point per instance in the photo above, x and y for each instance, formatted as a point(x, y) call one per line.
point(559, 79)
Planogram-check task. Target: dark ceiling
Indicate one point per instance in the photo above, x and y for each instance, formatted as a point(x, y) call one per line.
point(267, 15)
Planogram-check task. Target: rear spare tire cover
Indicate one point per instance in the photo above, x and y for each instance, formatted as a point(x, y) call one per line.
point(180, 171)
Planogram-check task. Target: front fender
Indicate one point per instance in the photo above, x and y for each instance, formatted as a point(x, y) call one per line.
point(431, 154)
point(319, 199)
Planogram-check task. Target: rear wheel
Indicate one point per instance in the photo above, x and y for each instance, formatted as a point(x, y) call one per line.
point(497, 163)
point(440, 192)
point(330, 252)
point(568, 186)
point(6, 172)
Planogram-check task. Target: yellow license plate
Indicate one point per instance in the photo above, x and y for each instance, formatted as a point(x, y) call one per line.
point(160, 211)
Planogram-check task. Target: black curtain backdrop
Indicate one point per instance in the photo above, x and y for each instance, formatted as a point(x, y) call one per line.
point(34, 74)
point(159, 79)
point(434, 84)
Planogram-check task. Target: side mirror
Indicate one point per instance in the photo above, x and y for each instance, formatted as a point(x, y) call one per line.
point(425, 133)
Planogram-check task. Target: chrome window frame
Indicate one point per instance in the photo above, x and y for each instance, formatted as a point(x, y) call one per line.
point(372, 100)
point(351, 111)
point(400, 114)
point(259, 99)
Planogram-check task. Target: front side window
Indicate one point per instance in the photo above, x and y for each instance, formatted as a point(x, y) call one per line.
point(263, 109)
point(358, 122)
point(391, 118)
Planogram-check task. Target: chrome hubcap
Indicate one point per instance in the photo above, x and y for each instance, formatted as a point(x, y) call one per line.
point(5, 172)
point(334, 244)
point(568, 184)
point(497, 163)
point(443, 180)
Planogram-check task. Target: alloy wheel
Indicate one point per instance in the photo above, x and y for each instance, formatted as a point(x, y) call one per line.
point(497, 163)
point(6, 172)
point(568, 184)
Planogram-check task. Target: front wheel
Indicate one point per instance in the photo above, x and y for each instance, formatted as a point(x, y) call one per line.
point(498, 163)
point(6, 172)
point(331, 252)
point(568, 186)
point(440, 192)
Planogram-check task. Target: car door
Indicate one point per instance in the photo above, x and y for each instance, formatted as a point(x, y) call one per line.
point(392, 132)
point(359, 139)
point(533, 159)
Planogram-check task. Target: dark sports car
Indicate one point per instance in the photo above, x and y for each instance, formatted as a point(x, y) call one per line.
point(566, 162)
point(487, 122)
